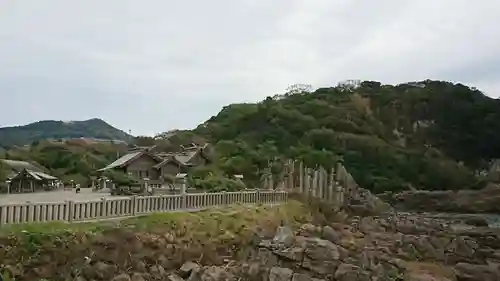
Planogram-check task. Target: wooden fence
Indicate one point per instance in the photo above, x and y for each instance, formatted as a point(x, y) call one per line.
point(335, 185)
point(107, 208)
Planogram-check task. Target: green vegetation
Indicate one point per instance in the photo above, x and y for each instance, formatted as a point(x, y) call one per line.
point(214, 234)
point(57, 130)
point(69, 160)
point(427, 135)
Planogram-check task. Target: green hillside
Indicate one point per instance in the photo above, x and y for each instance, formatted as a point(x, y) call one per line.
point(429, 134)
point(49, 129)
point(425, 135)
point(69, 160)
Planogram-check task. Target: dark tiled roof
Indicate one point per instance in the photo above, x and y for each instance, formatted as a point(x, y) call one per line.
point(18, 166)
point(182, 158)
point(122, 160)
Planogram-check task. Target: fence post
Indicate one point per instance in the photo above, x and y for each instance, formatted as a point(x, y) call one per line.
point(104, 207)
point(71, 210)
point(29, 211)
point(224, 198)
point(134, 205)
point(257, 196)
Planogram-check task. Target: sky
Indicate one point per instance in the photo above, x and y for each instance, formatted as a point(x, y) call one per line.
point(153, 65)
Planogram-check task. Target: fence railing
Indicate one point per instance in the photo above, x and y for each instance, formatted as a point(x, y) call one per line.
point(106, 208)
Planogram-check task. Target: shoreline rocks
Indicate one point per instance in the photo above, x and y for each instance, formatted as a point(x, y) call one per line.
point(484, 201)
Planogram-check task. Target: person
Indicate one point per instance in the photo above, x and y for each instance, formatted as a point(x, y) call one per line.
point(77, 188)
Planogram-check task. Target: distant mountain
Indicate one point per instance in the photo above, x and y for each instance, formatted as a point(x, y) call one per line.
point(49, 129)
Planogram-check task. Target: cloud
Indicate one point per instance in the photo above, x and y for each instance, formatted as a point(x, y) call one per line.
point(149, 66)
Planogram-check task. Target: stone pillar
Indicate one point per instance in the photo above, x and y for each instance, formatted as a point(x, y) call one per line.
point(315, 183)
point(321, 183)
point(331, 186)
point(183, 186)
point(301, 178)
point(318, 183)
point(291, 174)
point(271, 182)
point(338, 171)
point(184, 193)
point(340, 196)
point(307, 182)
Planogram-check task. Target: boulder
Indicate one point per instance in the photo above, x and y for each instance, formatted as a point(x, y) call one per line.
point(476, 221)
point(284, 236)
point(472, 272)
point(280, 274)
point(331, 235)
point(187, 268)
point(122, 277)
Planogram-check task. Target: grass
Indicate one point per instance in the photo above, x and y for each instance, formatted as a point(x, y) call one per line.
point(207, 236)
point(234, 224)
point(230, 217)
point(222, 224)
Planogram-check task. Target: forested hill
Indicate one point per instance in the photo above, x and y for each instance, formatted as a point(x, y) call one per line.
point(428, 134)
point(425, 135)
point(50, 129)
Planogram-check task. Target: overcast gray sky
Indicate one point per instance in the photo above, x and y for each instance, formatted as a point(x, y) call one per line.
point(153, 65)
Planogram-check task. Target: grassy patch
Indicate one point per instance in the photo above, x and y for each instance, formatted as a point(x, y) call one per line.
point(217, 225)
point(222, 223)
point(50, 228)
point(207, 236)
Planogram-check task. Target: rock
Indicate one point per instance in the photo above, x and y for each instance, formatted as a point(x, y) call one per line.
point(424, 276)
point(331, 235)
point(104, 271)
point(157, 271)
point(137, 277)
point(304, 277)
point(307, 230)
point(293, 254)
point(464, 201)
point(350, 272)
point(461, 249)
point(476, 221)
point(43, 271)
point(174, 277)
point(139, 266)
point(321, 256)
point(163, 261)
point(280, 274)
point(12, 270)
point(122, 277)
point(254, 271)
point(215, 273)
point(284, 236)
point(187, 268)
point(472, 272)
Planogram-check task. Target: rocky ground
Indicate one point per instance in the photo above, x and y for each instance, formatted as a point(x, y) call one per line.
point(365, 249)
point(290, 243)
point(462, 201)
